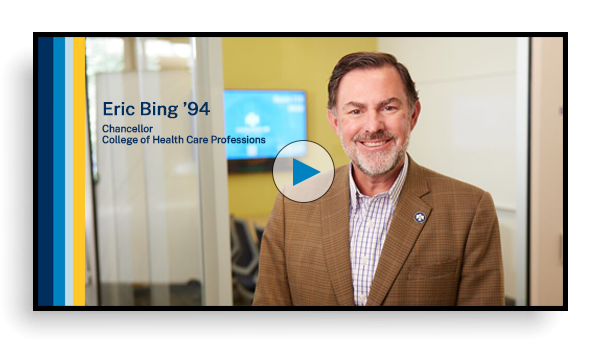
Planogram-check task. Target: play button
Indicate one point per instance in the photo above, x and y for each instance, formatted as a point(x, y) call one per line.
point(303, 171)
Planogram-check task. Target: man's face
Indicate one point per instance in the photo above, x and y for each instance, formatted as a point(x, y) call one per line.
point(374, 119)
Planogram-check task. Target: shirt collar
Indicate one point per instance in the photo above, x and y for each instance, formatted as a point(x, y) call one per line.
point(393, 192)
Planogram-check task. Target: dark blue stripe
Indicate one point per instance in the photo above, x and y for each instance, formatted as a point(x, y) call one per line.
point(59, 171)
point(45, 176)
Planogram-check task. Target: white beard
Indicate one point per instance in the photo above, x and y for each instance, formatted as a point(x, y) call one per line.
point(376, 163)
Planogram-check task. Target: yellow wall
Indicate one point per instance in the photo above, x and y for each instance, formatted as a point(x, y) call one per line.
point(285, 63)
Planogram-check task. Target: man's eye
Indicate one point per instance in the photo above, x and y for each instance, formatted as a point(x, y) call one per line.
point(390, 108)
point(355, 112)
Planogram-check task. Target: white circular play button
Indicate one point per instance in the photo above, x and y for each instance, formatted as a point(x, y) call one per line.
point(303, 171)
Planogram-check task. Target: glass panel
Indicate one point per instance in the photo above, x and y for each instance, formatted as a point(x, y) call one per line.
point(147, 198)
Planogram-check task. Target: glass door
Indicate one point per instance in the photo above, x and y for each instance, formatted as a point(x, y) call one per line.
point(147, 179)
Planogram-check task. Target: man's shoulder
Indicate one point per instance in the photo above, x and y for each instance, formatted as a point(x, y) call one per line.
point(444, 189)
point(443, 183)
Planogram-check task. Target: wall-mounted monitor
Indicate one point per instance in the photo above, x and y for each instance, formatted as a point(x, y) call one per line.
point(277, 115)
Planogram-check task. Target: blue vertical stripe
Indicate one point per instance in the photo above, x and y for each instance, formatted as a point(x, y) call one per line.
point(45, 175)
point(69, 171)
point(59, 171)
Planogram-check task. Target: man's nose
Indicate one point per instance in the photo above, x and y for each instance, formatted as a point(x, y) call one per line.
point(374, 121)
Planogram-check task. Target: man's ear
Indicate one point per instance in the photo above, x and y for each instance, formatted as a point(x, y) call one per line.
point(415, 115)
point(333, 121)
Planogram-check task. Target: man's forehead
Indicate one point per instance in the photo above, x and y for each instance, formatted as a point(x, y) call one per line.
point(371, 85)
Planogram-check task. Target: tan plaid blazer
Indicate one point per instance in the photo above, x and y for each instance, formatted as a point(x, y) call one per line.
point(453, 258)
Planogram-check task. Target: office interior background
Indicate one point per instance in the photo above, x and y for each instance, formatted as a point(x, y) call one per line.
point(170, 225)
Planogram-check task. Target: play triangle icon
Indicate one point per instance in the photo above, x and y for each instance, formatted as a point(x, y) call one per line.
point(302, 172)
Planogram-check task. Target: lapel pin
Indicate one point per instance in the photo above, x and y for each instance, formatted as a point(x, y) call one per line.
point(419, 217)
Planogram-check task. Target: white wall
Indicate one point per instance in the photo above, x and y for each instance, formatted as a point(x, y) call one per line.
point(467, 127)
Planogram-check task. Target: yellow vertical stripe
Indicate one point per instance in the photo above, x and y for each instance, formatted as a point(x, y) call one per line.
point(79, 171)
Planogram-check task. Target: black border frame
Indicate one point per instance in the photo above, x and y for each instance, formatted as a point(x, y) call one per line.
point(564, 307)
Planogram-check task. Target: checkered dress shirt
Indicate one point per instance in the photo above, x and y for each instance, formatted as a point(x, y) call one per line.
point(370, 219)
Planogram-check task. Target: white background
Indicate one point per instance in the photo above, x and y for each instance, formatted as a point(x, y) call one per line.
point(22, 328)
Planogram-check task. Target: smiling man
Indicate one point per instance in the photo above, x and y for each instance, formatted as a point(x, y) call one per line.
point(388, 232)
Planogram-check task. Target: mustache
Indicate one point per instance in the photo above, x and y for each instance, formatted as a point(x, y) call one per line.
point(375, 136)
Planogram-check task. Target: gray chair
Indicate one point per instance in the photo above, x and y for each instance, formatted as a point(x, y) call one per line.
point(260, 230)
point(236, 248)
point(245, 263)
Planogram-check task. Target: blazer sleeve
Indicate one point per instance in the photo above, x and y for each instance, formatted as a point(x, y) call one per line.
point(272, 286)
point(482, 275)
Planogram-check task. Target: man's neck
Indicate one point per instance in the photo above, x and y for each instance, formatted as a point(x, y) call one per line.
point(373, 185)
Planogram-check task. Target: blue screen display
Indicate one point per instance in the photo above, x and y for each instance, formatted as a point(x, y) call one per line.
point(278, 116)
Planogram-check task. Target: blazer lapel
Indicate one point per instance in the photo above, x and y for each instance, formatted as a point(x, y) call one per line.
point(336, 237)
point(402, 234)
